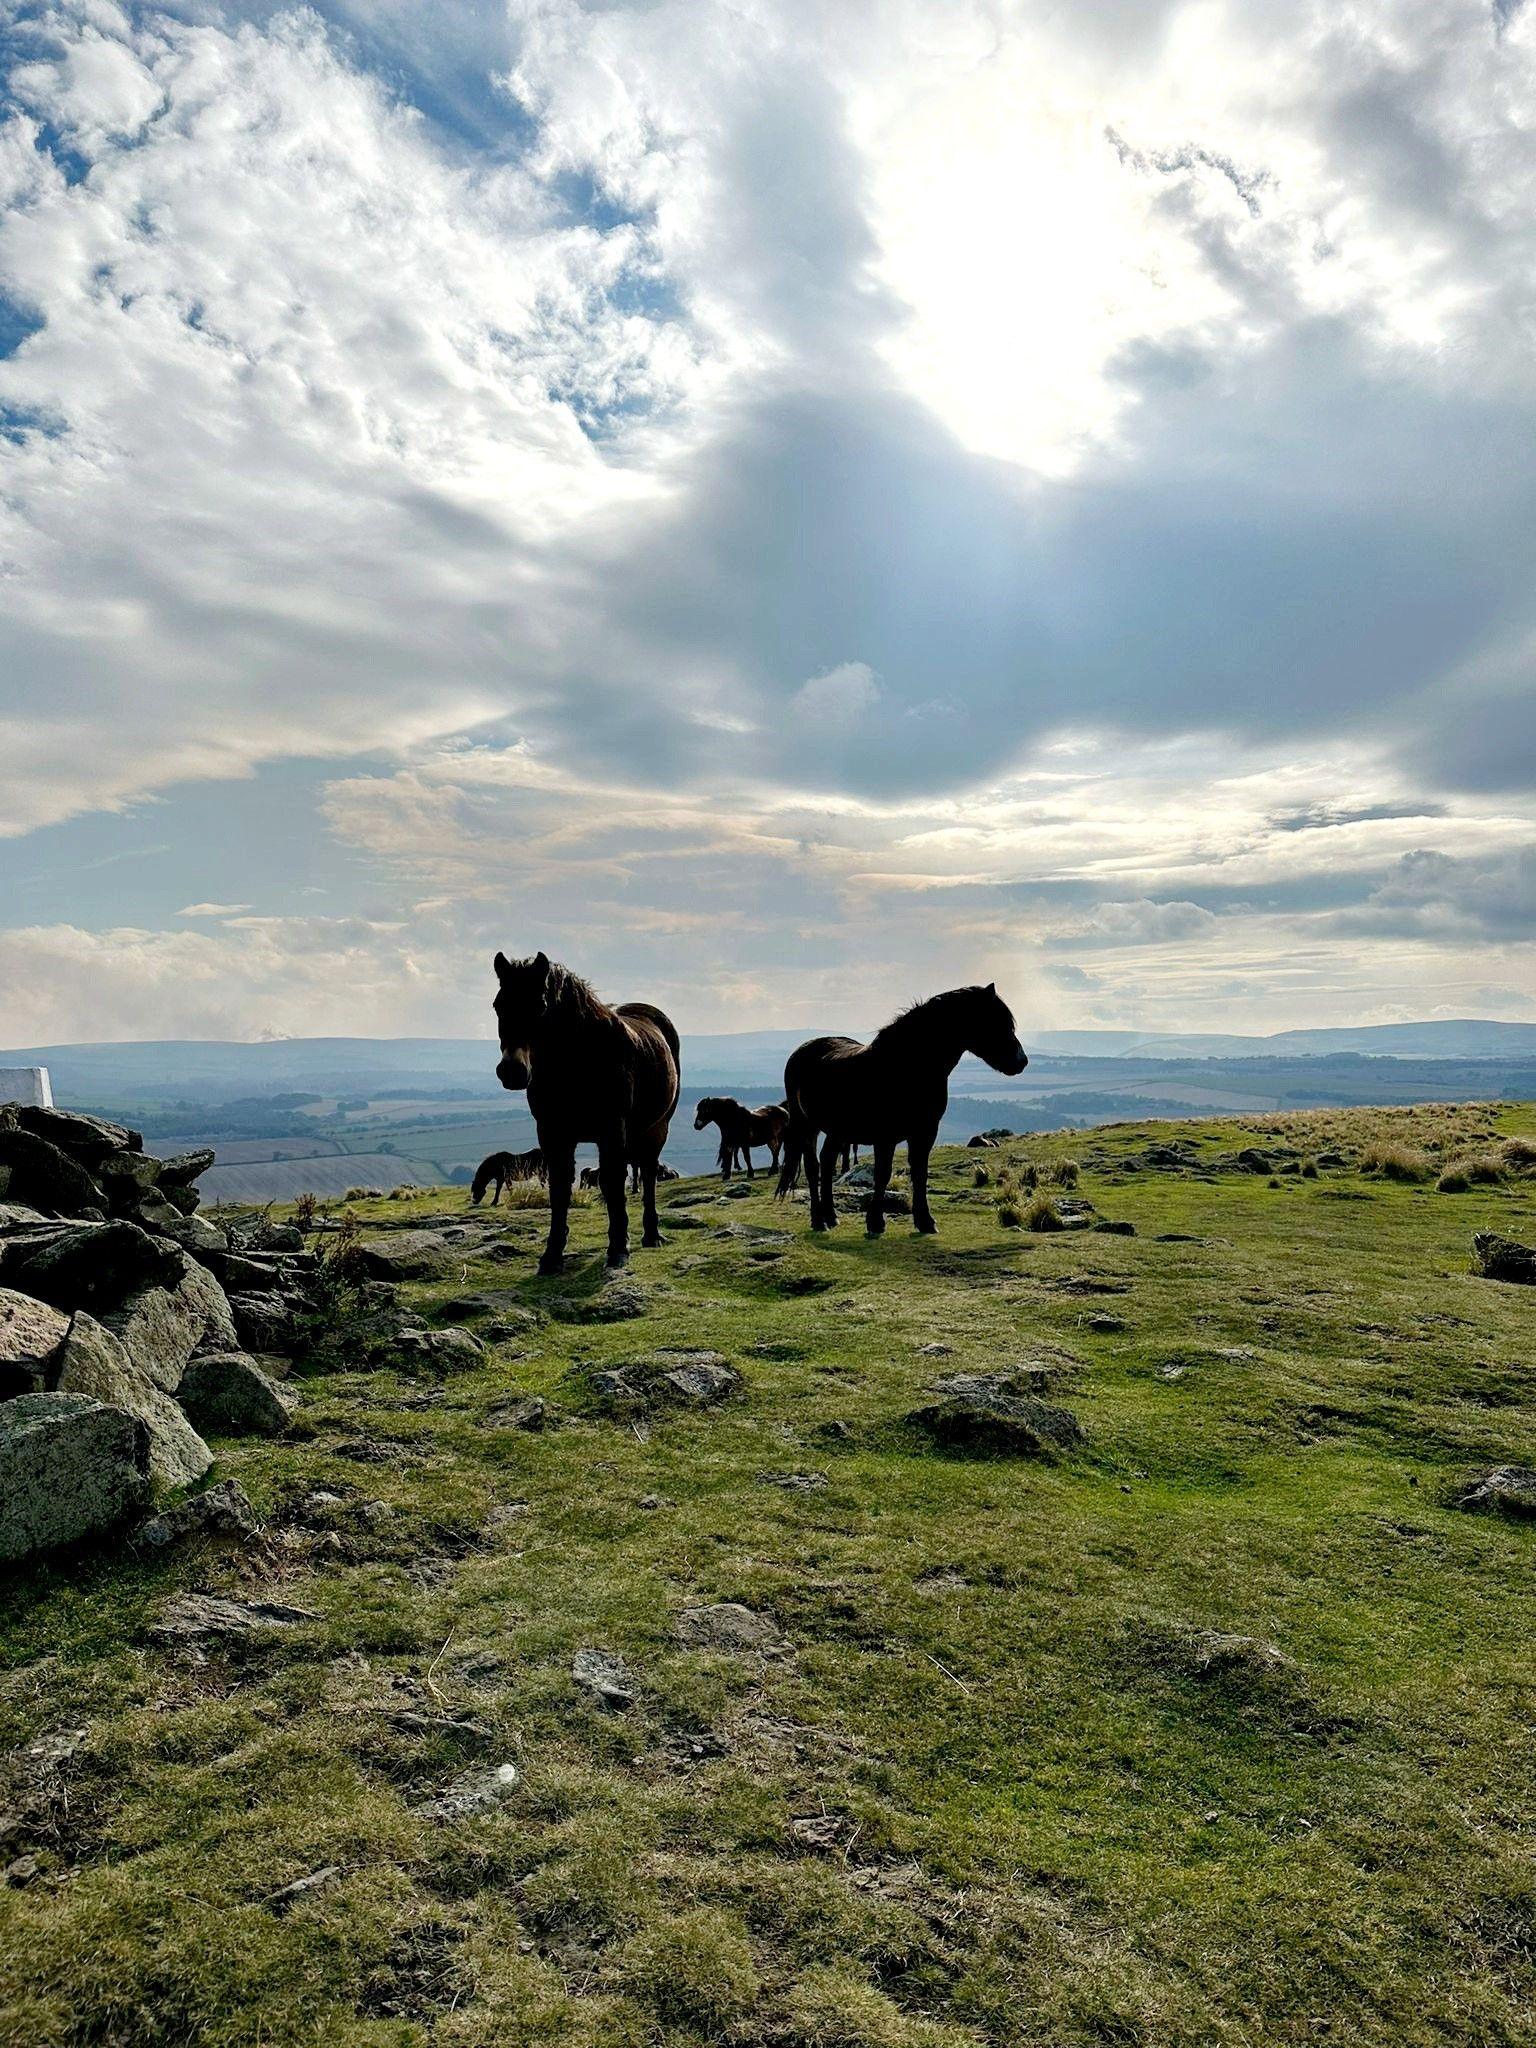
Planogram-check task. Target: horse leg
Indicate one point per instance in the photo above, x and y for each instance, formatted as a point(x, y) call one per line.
point(650, 1233)
point(562, 1171)
point(874, 1215)
point(612, 1176)
point(917, 1165)
point(747, 1149)
point(828, 1175)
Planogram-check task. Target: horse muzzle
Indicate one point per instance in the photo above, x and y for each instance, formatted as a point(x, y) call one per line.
point(698, 1123)
point(511, 1071)
point(1017, 1061)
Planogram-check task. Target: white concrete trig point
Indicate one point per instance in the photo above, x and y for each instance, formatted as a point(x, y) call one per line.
point(26, 1084)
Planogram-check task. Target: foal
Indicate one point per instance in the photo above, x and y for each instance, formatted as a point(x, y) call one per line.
point(742, 1128)
point(895, 1087)
point(594, 1075)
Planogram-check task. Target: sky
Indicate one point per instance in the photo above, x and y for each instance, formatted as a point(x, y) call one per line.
point(787, 505)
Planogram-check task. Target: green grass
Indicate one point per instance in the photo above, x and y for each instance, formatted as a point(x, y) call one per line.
point(1046, 1814)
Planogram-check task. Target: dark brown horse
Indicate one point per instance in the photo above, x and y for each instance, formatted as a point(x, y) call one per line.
point(502, 1167)
point(895, 1087)
point(594, 1075)
point(742, 1128)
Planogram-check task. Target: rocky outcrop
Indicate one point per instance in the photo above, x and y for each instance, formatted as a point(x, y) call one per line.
point(31, 1335)
point(227, 1394)
point(70, 1467)
point(93, 1362)
point(94, 1266)
point(1501, 1258)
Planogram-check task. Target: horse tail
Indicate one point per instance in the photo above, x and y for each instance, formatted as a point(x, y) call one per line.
point(799, 1143)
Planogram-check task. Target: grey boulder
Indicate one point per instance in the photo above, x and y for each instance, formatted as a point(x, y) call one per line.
point(31, 1333)
point(224, 1510)
point(70, 1467)
point(32, 1170)
point(89, 1138)
point(228, 1394)
point(94, 1266)
point(403, 1255)
point(727, 1625)
point(162, 1326)
point(95, 1363)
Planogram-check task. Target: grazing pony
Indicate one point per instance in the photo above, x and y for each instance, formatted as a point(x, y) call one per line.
point(895, 1087)
point(594, 1075)
point(742, 1128)
point(502, 1167)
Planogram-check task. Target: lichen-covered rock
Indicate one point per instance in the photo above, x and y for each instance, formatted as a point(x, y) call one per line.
point(70, 1467)
point(94, 1266)
point(264, 1322)
point(227, 1394)
point(444, 1350)
point(31, 1333)
point(1501, 1490)
point(727, 1625)
point(605, 1677)
point(89, 1138)
point(224, 1510)
point(94, 1362)
point(403, 1255)
point(161, 1327)
point(38, 1173)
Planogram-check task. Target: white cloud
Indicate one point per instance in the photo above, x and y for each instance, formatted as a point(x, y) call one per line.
point(212, 909)
point(841, 697)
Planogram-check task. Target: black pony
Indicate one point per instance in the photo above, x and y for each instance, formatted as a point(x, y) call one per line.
point(502, 1167)
point(594, 1075)
point(895, 1087)
point(742, 1128)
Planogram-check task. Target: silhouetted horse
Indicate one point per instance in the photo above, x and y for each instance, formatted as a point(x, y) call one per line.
point(895, 1087)
point(742, 1128)
point(502, 1167)
point(594, 1076)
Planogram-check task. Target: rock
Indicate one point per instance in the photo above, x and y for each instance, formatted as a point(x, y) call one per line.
point(161, 1327)
point(1106, 1325)
point(290, 1894)
point(999, 1424)
point(224, 1510)
point(794, 1482)
point(606, 1678)
point(31, 1333)
point(1501, 1258)
point(1252, 1160)
point(1165, 1155)
point(69, 1467)
point(531, 1412)
point(727, 1625)
point(226, 1393)
point(35, 1172)
point(89, 1138)
point(95, 1363)
point(498, 1301)
point(1502, 1490)
point(126, 1177)
point(251, 1273)
point(616, 1301)
point(265, 1322)
point(699, 1382)
point(980, 1143)
point(477, 1791)
point(190, 1617)
point(403, 1255)
point(1106, 1228)
point(16, 1216)
point(1331, 1159)
point(445, 1350)
point(185, 1167)
point(204, 1240)
point(94, 1266)
point(738, 1191)
point(611, 1385)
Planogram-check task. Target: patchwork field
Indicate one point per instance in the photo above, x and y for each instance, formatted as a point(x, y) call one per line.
point(1214, 1726)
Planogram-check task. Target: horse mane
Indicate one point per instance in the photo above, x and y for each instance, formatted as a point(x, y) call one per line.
point(923, 1015)
point(566, 991)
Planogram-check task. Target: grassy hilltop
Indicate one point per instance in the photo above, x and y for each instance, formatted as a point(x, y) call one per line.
point(1216, 1728)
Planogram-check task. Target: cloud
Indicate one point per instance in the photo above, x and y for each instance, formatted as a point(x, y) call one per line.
point(844, 696)
point(212, 909)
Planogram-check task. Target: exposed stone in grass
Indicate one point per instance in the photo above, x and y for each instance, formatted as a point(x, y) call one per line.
point(700, 1380)
point(1105, 1325)
point(531, 1412)
point(727, 1625)
point(472, 1792)
point(502, 1302)
point(794, 1482)
point(224, 1510)
point(226, 1393)
point(302, 1887)
point(1501, 1490)
point(192, 1617)
point(70, 1467)
point(1106, 1227)
point(451, 1350)
point(607, 1678)
point(1501, 1258)
point(615, 1301)
point(992, 1421)
point(403, 1255)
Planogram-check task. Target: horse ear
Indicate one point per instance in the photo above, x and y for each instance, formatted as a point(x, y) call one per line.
point(503, 966)
point(991, 988)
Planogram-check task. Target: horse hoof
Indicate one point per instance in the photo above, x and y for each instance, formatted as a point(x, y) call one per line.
point(929, 1229)
point(616, 1259)
point(549, 1266)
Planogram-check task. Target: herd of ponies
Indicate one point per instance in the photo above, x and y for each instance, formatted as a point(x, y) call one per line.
point(611, 1077)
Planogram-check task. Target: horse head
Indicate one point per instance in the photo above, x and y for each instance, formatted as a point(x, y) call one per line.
point(708, 1111)
point(990, 1032)
point(522, 997)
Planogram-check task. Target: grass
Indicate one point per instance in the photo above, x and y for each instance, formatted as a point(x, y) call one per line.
point(1215, 1731)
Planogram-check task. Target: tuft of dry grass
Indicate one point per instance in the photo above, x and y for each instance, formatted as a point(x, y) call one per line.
point(1396, 1162)
point(1041, 1212)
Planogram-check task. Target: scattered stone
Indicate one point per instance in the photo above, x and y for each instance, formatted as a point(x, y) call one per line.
point(616, 1301)
point(94, 1363)
point(737, 1191)
point(473, 1792)
point(445, 1350)
point(190, 1617)
point(831, 1833)
point(1108, 1228)
point(1501, 1258)
point(1105, 1325)
point(605, 1677)
point(499, 1301)
point(224, 1510)
point(1252, 1160)
point(70, 1467)
point(403, 1255)
point(794, 1482)
point(226, 1393)
point(1502, 1490)
point(936, 1350)
point(531, 1412)
point(727, 1625)
point(22, 1871)
point(1331, 1159)
point(651, 1501)
point(999, 1423)
point(264, 1322)
point(611, 1385)
point(301, 1887)
point(701, 1382)
point(31, 1333)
